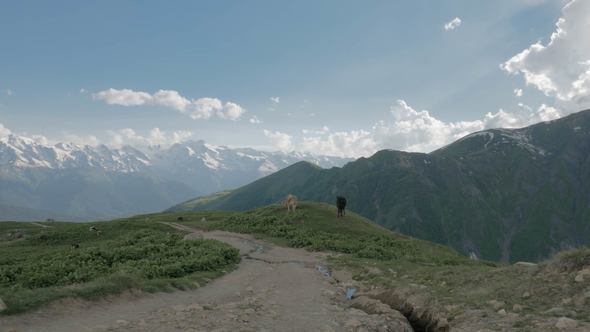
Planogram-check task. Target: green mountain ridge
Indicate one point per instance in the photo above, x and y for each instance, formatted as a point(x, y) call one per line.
point(503, 194)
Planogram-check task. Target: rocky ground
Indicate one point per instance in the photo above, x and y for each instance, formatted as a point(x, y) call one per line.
point(284, 289)
point(272, 289)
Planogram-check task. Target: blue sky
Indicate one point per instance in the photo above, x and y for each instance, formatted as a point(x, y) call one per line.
point(347, 74)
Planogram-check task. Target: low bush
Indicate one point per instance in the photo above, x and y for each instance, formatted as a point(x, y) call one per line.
point(292, 228)
point(145, 254)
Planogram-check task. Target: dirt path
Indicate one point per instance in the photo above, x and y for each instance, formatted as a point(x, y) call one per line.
point(273, 289)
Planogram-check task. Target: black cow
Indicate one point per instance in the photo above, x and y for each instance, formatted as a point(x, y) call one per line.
point(341, 205)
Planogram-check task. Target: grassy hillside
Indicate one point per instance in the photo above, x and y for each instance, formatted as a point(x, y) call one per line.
point(268, 190)
point(314, 226)
point(432, 277)
point(506, 195)
point(39, 265)
point(140, 252)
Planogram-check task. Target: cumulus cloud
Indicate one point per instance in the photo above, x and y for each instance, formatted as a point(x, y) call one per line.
point(255, 120)
point(82, 140)
point(171, 99)
point(409, 130)
point(156, 137)
point(453, 24)
point(275, 101)
point(281, 141)
point(353, 143)
point(231, 111)
point(561, 67)
point(518, 92)
point(123, 97)
point(201, 108)
point(4, 132)
point(413, 130)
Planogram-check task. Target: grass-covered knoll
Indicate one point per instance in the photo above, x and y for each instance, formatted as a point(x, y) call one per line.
point(42, 265)
point(315, 226)
point(505, 194)
point(423, 271)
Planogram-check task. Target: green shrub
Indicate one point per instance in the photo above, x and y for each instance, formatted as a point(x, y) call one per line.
point(146, 254)
point(291, 227)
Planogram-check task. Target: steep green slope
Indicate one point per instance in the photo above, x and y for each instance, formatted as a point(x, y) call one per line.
point(502, 194)
point(268, 190)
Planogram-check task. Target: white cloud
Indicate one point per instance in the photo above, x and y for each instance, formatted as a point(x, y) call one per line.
point(231, 111)
point(275, 103)
point(413, 130)
point(156, 136)
point(81, 140)
point(419, 131)
point(453, 24)
point(561, 68)
point(9, 92)
point(279, 140)
point(123, 97)
point(202, 108)
point(255, 120)
point(343, 144)
point(408, 130)
point(171, 99)
point(518, 92)
point(83, 91)
point(4, 131)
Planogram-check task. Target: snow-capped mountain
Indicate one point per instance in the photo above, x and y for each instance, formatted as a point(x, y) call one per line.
point(100, 181)
point(21, 152)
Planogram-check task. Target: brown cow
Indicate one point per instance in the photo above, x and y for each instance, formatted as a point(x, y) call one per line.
point(291, 203)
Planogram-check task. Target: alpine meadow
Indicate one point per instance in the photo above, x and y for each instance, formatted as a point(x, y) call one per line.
point(331, 165)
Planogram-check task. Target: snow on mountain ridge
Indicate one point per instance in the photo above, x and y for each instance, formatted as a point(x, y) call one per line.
point(23, 152)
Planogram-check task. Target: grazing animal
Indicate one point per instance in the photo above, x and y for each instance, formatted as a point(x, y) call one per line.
point(341, 205)
point(94, 229)
point(291, 203)
point(179, 219)
point(15, 235)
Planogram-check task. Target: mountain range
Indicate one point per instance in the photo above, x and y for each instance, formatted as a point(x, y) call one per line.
point(498, 194)
point(82, 182)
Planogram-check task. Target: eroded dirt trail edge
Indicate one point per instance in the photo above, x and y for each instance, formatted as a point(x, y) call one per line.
point(272, 289)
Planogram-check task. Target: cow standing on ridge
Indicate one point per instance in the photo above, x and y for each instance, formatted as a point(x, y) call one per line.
point(341, 205)
point(291, 203)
